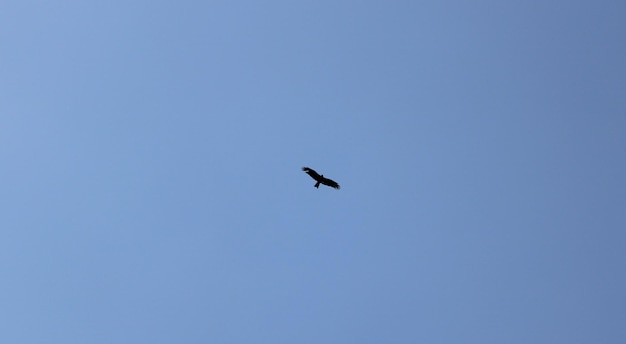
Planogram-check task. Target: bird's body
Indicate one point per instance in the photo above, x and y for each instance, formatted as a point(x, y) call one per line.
point(320, 178)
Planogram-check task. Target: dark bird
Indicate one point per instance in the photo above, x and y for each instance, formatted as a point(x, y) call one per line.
point(320, 179)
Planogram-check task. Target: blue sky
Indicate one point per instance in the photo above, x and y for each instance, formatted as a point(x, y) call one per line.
point(152, 191)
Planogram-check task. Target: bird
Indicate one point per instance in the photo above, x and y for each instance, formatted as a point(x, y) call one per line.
point(320, 178)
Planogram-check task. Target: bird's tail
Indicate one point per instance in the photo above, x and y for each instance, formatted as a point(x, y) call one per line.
point(317, 185)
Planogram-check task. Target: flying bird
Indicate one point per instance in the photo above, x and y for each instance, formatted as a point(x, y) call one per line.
point(320, 179)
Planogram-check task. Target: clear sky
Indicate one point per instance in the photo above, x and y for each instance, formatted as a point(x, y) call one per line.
point(152, 191)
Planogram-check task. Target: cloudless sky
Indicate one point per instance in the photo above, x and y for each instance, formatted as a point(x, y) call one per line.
point(150, 156)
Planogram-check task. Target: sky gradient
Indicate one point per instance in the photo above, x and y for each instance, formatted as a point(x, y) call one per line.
point(152, 191)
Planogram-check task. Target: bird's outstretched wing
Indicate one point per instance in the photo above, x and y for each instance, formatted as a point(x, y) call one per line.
point(330, 182)
point(311, 172)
